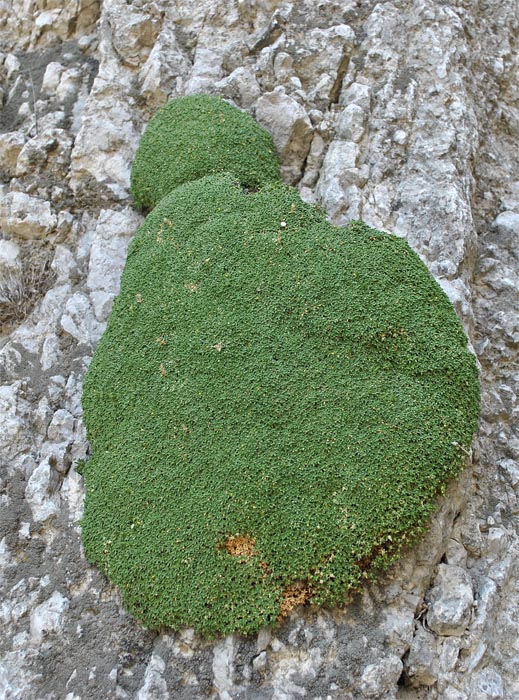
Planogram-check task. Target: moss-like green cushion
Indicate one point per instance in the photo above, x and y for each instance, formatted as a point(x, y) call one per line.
point(273, 409)
point(191, 137)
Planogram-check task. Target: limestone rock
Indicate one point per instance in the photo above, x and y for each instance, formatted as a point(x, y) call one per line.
point(104, 147)
point(9, 256)
point(49, 150)
point(241, 85)
point(506, 226)
point(154, 686)
point(46, 24)
point(46, 618)
point(379, 679)
point(25, 216)
point(79, 320)
point(322, 53)
point(52, 77)
point(206, 70)
point(40, 493)
point(134, 30)
point(291, 130)
point(165, 67)
point(10, 146)
point(487, 685)
point(350, 125)
point(13, 409)
point(450, 601)
point(422, 662)
point(341, 180)
point(107, 257)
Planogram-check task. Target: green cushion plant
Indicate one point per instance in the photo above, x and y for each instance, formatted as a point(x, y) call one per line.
point(195, 136)
point(273, 409)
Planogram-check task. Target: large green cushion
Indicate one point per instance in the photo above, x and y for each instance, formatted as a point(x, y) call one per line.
point(273, 409)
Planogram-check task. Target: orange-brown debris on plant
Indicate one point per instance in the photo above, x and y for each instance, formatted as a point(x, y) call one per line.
point(294, 595)
point(240, 545)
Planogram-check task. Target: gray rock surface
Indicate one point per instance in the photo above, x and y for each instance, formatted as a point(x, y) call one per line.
point(25, 216)
point(403, 114)
point(450, 601)
point(291, 130)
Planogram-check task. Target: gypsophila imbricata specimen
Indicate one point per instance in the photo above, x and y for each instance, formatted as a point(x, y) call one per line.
point(275, 404)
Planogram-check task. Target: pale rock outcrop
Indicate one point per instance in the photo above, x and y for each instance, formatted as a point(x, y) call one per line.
point(41, 493)
point(109, 244)
point(49, 150)
point(11, 144)
point(26, 216)
point(291, 130)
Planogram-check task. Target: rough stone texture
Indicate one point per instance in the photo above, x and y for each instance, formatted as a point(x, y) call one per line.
point(403, 114)
point(450, 601)
point(292, 130)
point(26, 217)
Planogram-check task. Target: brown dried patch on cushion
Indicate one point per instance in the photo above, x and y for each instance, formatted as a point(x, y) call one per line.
point(240, 545)
point(294, 595)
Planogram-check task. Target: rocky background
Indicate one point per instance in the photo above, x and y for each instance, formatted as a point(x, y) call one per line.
point(402, 113)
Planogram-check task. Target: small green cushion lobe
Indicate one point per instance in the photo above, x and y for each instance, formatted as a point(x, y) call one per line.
point(195, 136)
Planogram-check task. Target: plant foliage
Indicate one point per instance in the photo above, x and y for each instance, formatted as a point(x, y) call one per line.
point(196, 136)
point(273, 409)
